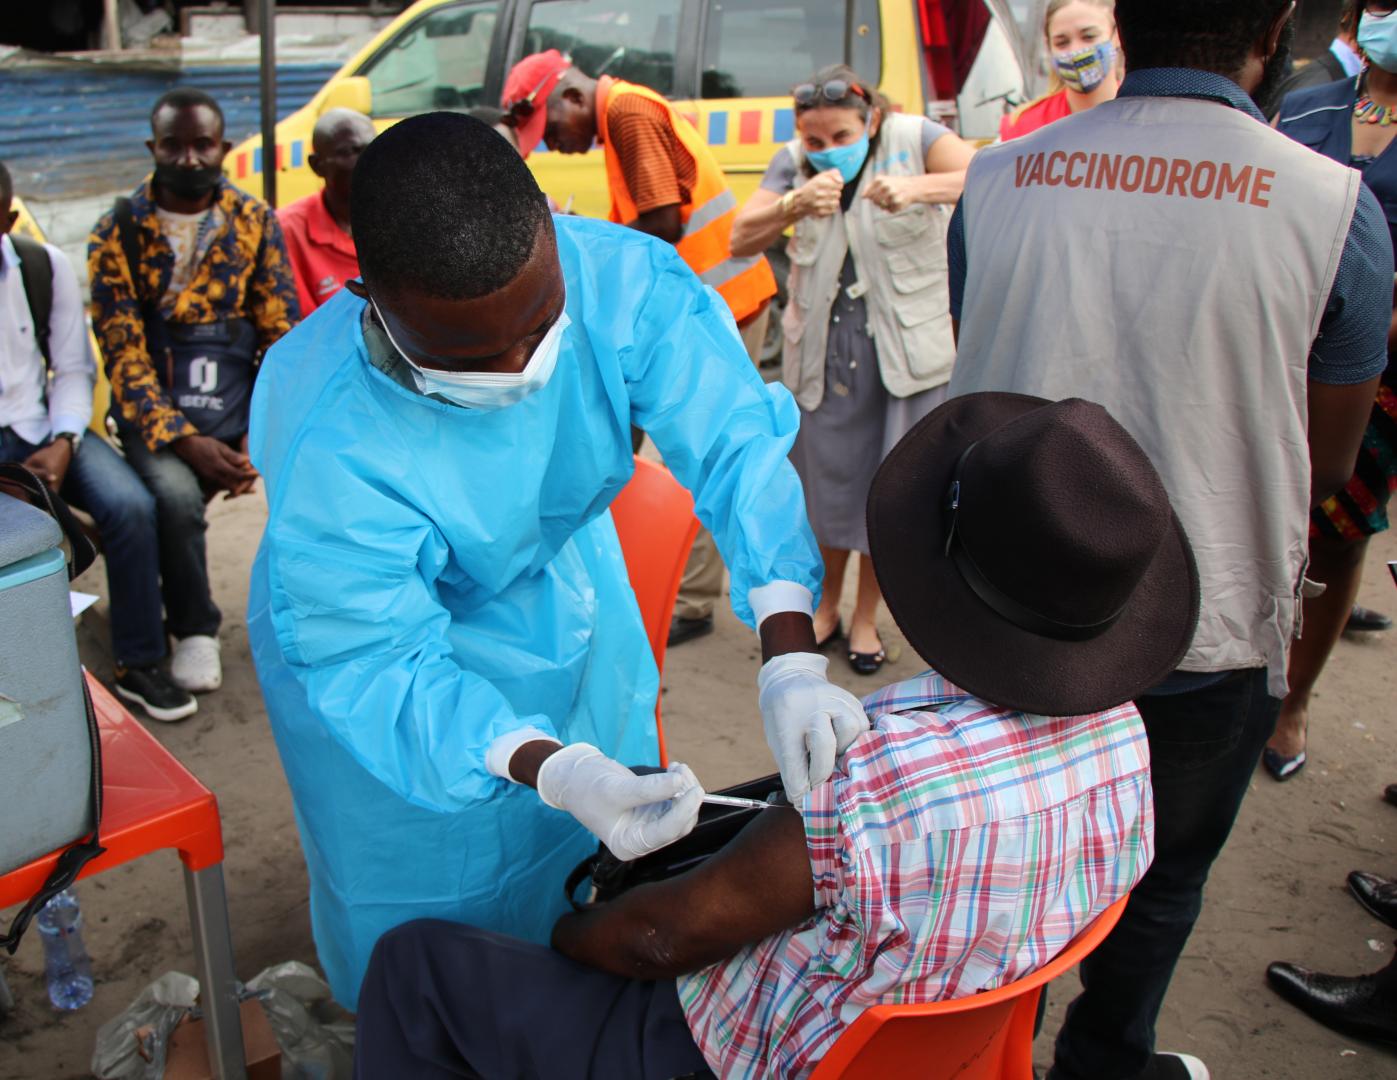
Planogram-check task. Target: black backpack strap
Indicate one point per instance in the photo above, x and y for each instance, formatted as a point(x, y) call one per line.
point(24, 484)
point(36, 273)
point(78, 855)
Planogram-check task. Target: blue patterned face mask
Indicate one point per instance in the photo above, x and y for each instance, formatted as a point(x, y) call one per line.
point(1086, 69)
point(848, 159)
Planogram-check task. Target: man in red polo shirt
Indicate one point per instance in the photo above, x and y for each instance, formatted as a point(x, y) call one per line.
point(317, 227)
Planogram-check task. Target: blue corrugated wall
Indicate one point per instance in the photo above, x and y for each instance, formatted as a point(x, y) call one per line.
point(75, 129)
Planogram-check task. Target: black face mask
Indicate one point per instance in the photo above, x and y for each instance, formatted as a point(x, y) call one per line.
point(185, 183)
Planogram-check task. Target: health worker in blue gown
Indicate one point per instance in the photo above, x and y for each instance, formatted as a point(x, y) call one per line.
point(440, 613)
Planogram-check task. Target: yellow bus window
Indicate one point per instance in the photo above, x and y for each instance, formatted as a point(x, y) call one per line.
point(739, 60)
point(633, 40)
point(437, 62)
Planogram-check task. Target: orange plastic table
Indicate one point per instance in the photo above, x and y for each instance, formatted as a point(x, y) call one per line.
point(152, 802)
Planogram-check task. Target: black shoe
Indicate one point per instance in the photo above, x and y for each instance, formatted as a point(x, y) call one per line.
point(1175, 1067)
point(152, 690)
point(1361, 1006)
point(1363, 620)
point(1280, 767)
point(867, 663)
point(1377, 894)
point(682, 630)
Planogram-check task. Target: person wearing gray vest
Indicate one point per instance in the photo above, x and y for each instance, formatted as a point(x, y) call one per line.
point(868, 347)
point(1225, 293)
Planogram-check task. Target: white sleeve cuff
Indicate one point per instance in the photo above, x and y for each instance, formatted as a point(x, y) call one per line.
point(502, 749)
point(780, 596)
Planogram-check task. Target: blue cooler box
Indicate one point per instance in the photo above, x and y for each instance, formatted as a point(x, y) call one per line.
point(45, 752)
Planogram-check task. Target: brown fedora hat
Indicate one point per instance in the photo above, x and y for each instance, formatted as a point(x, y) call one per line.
point(1028, 551)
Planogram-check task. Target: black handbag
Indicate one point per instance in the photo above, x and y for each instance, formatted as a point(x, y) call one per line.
point(717, 825)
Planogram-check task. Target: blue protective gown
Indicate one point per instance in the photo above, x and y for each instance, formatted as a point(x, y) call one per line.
point(432, 577)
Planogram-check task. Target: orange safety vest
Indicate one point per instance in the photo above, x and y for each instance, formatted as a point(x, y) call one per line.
point(746, 283)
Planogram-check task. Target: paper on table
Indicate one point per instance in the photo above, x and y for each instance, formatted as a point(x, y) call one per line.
point(81, 601)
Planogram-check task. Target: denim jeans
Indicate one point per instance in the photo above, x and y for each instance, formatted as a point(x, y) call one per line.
point(1204, 745)
point(180, 521)
point(102, 484)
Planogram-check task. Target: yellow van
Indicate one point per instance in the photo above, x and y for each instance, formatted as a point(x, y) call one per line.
point(728, 65)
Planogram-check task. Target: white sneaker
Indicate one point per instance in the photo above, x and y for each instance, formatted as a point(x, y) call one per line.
point(196, 666)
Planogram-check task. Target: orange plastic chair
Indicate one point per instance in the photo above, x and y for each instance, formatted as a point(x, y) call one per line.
point(150, 802)
point(655, 521)
point(985, 1036)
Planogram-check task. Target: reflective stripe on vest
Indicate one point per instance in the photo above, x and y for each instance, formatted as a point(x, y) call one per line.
point(745, 283)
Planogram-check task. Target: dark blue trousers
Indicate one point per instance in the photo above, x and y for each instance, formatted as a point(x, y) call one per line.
point(1204, 745)
point(445, 1000)
point(101, 482)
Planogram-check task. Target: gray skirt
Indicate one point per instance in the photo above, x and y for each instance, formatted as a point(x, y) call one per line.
point(842, 443)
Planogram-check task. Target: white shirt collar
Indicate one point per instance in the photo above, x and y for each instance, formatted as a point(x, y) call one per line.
point(1353, 63)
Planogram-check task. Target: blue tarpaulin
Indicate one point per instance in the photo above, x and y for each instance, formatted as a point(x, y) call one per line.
point(80, 128)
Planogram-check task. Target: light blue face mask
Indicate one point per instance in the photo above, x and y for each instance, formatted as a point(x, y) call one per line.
point(848, 159)
point(486, 390)
point(1377, 37)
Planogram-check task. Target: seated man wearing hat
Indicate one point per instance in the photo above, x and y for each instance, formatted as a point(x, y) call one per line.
point(998, 804)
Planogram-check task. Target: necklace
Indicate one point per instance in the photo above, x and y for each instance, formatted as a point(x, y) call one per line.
point(1368, 111)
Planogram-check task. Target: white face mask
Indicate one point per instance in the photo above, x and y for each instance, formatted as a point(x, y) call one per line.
point(487, 389)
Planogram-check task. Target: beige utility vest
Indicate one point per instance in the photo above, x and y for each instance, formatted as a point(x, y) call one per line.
point(1171, 259)
point(901, 260)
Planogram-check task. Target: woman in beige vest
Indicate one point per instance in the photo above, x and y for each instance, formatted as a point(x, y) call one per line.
point(868, 348)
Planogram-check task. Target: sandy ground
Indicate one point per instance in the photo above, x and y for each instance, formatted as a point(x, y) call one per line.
point(1277, 893)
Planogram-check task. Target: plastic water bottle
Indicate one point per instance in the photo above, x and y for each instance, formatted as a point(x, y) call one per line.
point(67, 967)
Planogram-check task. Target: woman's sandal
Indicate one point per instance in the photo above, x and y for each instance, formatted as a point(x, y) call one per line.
point(866, 663)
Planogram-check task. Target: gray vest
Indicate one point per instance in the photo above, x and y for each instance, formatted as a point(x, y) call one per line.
point(1171, 259)
point(901, 259)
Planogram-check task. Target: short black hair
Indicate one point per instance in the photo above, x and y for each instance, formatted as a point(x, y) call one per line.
point(442, 206)
point(183, 97)
point(7, 185)
point(1212, 35)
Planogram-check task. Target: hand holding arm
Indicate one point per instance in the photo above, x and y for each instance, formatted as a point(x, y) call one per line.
point(808, 720)
point(759, 884)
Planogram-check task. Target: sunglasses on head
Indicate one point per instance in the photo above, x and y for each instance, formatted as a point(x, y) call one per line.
point(518, 112)
point(809, 95)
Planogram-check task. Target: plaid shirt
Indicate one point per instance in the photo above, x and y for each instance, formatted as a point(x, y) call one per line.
point(958, 847)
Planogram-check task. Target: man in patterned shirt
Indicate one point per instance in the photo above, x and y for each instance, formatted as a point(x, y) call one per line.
point(999, 803)
point(190, 285)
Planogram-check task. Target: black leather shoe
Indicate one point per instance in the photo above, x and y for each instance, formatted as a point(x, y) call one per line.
point(1361, 1006)
point(682, 630)
point(1363, 620)
point(1377, 894)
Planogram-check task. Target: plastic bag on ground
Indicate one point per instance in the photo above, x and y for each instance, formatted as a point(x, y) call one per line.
point(315, 1036)
point(132, 1045)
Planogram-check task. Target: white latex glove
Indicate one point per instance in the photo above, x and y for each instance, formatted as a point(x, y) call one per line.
point(808, 720)
point(632, 815)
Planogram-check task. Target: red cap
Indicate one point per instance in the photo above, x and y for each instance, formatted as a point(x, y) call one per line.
point(532, 80)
